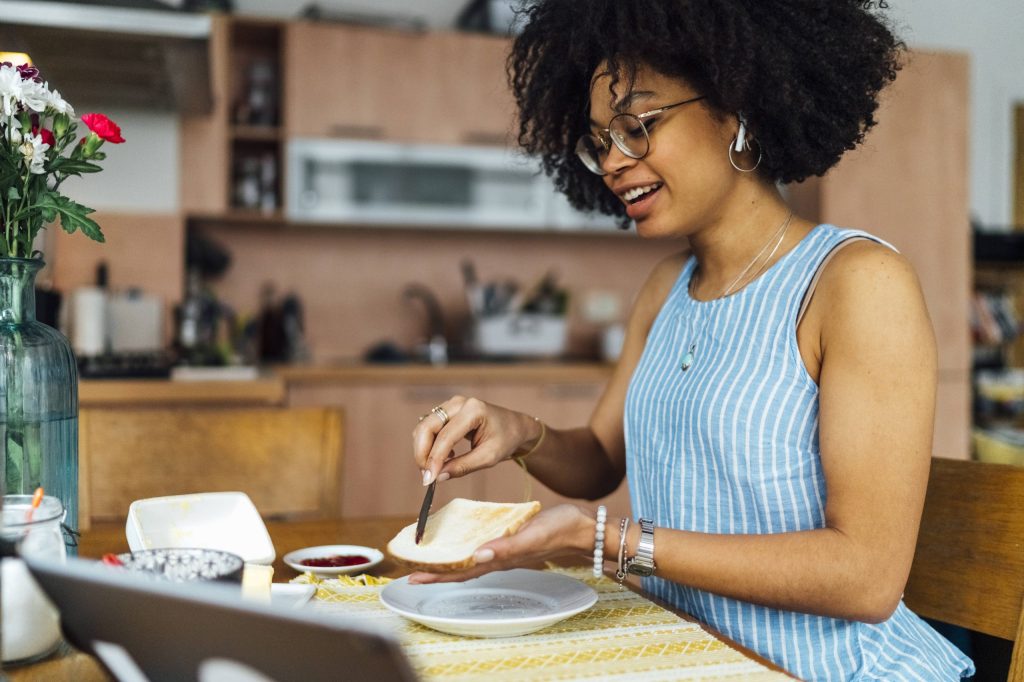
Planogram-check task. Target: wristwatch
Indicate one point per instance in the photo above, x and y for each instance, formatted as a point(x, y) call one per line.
point(642, 563)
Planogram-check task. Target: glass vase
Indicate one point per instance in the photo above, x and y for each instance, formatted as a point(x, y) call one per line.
point(38, 396)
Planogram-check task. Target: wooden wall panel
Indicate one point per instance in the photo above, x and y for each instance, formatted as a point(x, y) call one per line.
point(908, 184)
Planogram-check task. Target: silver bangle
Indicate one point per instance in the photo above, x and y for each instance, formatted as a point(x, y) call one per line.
point(620, 573)
point(602, 516)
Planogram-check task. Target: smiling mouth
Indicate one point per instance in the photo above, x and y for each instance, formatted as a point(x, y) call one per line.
point(637, 194)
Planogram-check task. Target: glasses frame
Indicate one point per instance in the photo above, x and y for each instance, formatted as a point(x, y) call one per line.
point(606, 139)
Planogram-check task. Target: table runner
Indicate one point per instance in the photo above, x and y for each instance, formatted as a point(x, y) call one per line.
point(622, 637)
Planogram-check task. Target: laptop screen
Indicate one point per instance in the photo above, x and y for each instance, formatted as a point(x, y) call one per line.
point(142, 629)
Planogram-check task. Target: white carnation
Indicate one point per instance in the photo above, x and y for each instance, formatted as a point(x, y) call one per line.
point(34, 150)
point(10, 90)
point(35, 95)
point(60, 105)
point(13, 130)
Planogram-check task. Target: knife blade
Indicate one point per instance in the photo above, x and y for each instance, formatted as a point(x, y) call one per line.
point(428, 498)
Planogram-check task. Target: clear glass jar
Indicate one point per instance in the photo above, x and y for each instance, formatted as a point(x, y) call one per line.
point(29, 623)
point(38, 395)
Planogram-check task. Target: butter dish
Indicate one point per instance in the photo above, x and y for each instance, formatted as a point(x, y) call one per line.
point(226, 521)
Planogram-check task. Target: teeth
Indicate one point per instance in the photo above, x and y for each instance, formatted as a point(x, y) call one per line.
point(637, 192)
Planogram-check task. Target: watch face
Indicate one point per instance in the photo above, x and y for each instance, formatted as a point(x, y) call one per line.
point(641, 570)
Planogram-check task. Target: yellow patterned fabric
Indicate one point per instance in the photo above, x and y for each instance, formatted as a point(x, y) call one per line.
point(622, 637)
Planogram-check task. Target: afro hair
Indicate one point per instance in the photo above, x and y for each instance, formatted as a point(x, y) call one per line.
point(805, 73)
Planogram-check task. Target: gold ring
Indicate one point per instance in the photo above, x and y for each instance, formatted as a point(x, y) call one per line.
point(441, 414)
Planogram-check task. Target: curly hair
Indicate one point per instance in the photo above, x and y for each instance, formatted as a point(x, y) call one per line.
point(805, 73)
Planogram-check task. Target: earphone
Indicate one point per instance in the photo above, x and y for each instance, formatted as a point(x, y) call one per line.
point(741, 135)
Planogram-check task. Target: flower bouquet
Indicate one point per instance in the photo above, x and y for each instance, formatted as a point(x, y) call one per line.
point(37, 128)
point(39, 150)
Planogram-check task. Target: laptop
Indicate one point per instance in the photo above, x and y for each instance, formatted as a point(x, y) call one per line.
point(143, 630)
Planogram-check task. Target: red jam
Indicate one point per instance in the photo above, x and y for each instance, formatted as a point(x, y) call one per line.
point(336, 561)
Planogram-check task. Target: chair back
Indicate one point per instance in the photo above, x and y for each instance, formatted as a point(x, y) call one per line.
point(968, 568)
point(286, 459)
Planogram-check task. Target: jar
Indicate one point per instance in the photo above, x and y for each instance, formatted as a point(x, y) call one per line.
point(29, 623)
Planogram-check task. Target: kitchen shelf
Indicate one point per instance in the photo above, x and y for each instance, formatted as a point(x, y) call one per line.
point(256, 133)
point(253, 218)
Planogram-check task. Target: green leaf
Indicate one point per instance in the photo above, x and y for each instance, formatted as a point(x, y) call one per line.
point(73, 166)
point(13, 194)
point(73, 216)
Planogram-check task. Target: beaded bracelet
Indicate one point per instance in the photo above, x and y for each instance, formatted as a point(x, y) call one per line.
point(602, 516)
point(620, 573)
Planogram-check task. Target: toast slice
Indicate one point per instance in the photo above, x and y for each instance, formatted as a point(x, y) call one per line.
point(455, 531)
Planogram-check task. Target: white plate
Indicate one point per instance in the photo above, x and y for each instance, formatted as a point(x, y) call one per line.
point(289, 596)
point(499, 604)
point(295, 558)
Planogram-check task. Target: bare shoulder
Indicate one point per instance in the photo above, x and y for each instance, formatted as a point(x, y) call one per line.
point(868, 289)
point(866, 269)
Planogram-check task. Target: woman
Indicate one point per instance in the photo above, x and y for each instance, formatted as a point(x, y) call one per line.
point(773, 403)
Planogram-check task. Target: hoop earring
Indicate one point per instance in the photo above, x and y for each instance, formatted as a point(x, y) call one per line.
point(744, 143)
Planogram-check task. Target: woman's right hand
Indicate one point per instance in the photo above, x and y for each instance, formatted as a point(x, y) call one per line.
point(494, 434)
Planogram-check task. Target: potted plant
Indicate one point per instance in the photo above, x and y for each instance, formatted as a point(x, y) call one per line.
point(39, 150)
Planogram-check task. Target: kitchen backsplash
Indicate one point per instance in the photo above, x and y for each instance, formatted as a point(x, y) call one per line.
point(350, 282)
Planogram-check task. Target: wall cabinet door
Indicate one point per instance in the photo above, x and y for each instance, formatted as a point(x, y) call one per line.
point(348, 81)
point(358, 82)
point(467, 94)
point(908, 185)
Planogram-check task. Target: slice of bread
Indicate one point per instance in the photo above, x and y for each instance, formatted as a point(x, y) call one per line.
point(455, 531)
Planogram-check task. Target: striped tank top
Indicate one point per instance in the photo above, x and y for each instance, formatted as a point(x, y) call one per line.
point(731, 446)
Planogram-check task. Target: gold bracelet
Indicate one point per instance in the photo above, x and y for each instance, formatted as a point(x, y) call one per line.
point(518, 459)
point(540, 440)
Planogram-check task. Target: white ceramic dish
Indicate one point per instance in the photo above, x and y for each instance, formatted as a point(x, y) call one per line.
point(289, 596)
point(294, 559)
point(226, 521)
point(499, 604)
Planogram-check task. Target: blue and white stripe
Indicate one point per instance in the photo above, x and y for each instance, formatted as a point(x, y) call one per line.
point(731, 446)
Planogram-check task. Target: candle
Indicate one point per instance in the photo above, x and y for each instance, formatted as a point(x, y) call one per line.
point(30, 623)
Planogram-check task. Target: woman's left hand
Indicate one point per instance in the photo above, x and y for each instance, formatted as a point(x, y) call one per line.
point(559, 531)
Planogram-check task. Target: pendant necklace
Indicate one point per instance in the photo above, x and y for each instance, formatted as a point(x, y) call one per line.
point(687, 360)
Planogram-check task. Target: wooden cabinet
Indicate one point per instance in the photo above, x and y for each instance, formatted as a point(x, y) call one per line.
point(275, 80)
point(908, 184)
point(378, 475)
point(232, 158)
point(359, 82)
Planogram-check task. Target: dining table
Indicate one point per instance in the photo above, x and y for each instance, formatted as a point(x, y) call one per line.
point(68, 663)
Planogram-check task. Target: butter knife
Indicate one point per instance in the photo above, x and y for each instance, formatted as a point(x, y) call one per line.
point(421, 524)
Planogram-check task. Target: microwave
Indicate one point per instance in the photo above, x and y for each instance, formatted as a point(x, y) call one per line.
point(372, 183)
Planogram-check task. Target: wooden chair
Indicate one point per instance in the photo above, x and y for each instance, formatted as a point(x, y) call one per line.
point(968, 569)
point(286, 459)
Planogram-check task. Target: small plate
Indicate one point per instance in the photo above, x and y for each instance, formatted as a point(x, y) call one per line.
point(294, 559)
point(499, 604)
point(289, 596)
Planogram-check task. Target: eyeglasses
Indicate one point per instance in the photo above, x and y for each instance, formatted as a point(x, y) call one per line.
point(627, 132)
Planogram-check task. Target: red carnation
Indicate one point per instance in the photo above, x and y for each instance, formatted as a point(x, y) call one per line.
point(104, 128)
point(47, 136)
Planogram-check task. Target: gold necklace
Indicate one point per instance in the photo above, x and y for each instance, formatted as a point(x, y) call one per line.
point(687, 360)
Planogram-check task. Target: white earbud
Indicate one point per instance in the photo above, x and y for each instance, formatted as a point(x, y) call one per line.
point(741, 136)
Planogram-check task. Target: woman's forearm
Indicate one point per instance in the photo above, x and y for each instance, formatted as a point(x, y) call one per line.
point(821, 571)
point(572, 462)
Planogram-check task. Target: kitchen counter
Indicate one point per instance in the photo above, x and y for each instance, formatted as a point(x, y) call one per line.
point(526, 372)
point(272, 388)
point(152, 392)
